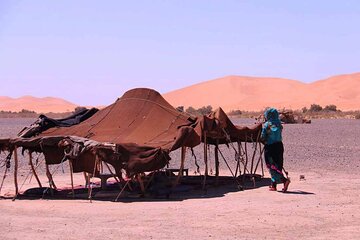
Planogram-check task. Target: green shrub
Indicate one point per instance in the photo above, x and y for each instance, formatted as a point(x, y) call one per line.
point(330, 108)
point(200, 111)
point(191, 110)
point(315, 108)
point(205, 110)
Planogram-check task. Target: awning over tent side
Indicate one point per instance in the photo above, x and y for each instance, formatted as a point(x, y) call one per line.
point(219, 129)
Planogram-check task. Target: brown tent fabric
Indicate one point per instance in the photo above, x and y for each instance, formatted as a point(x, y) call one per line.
point(4, 144)
point(141, 116)
point(220, 129)
point(142, 124)
point(142, 127)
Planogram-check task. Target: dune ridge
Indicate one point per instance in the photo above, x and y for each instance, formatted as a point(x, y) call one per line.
point(231, 93)
point(256, 93)
point(39, 105)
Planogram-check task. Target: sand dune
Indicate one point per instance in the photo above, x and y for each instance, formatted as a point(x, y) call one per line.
point(233, 92)
point(256, 93)
point(39, 105)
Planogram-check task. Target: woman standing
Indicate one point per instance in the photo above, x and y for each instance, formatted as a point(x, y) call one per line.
point(271, 134)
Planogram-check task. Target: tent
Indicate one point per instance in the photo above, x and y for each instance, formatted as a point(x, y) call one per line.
point(136, 134)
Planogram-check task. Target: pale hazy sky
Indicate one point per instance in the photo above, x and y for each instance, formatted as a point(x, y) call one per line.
point(91, 52)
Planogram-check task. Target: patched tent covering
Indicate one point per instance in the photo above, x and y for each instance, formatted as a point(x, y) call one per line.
point(44, 123)
point(141, 129)
point(220, 130)
point(141, 116)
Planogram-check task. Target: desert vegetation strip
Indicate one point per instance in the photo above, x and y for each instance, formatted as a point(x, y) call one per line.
point(315, 111)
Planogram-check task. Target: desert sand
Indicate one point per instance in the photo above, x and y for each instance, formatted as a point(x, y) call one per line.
point(322, 206)
point(39, 105)
point(252, 93)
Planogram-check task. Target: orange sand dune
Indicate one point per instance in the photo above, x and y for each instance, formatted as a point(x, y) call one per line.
point(39, 105)
point(256, 93)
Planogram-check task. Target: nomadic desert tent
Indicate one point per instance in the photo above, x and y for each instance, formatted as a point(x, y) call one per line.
point(136, 134)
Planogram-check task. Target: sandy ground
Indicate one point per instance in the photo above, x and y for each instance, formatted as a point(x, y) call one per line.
point(323, 206)
point(320, 207)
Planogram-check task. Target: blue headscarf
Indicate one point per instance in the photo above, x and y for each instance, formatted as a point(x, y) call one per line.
point(272, 115)
point(271, 131)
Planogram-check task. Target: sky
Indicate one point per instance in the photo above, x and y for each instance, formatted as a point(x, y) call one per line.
point(91, 52)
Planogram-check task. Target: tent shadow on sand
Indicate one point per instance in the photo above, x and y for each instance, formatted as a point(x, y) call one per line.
point(190, 188)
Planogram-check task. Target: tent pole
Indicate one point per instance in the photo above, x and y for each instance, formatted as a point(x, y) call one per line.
point(253, 156)
point(15, 173)
point(246, 158)
point(48, 174)
point(72, 178)
point(87, 179)
point(246, 154)
point(139, 178)
point(111, 172)
point(239, 185)
point(260, 158)
point(252, 160)
point(101, 167)
point(90, 185)
point(240, 157)
point(205, 160)
point(122, 190)
point(183, 154)
point(238, 160)
point(2, 182)
point(33, 169)
point(217, 162)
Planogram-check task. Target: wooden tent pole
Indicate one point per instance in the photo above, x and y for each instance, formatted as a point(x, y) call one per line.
point(205, 160)
point(15, 172)
point(101, 167)
point(141, 182)
point(33, 169)
point(183, 154)
point(246, 159)
point(90, 185)
point(238, 160)
point(3, 179)
point(246, 155)
point(122, 190)
point(262, 160)
point(48, 174)
point(260, 157)
point(72, 178)
point(87, 179)
point(112, 173)
point(253, 156)
point(217, 161)
point(252, 160)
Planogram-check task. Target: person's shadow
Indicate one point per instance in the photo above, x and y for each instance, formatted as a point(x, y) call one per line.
point(299, 192)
